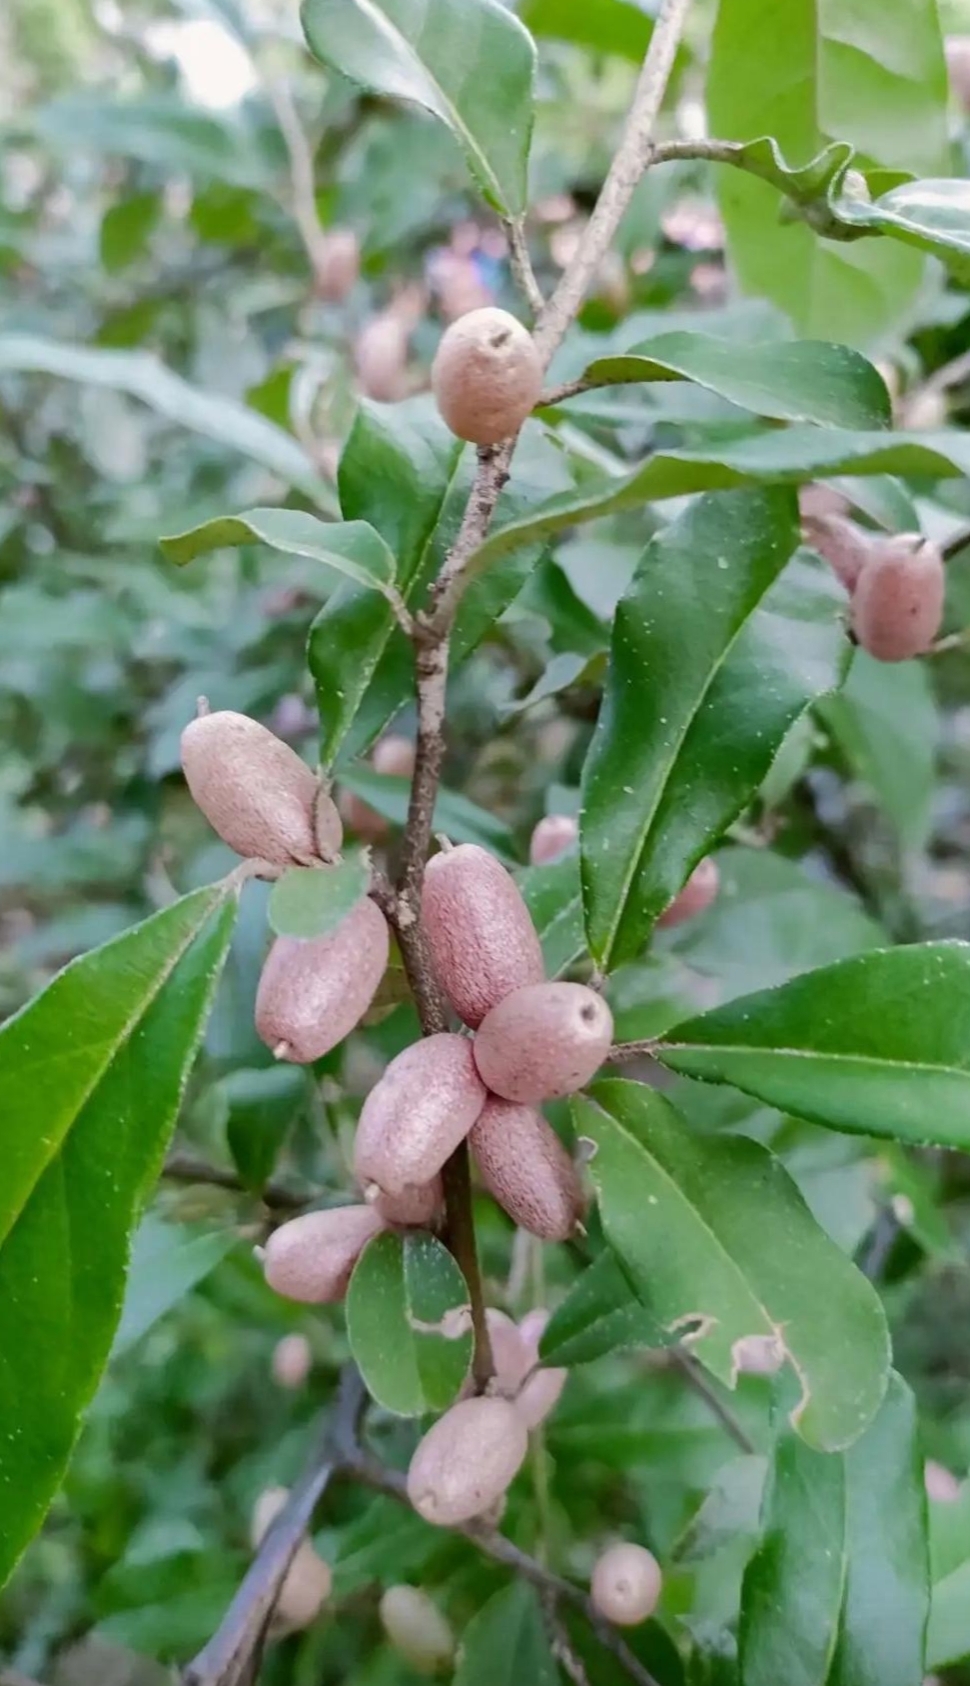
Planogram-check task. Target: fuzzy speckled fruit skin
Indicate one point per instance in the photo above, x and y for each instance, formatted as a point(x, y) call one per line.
point(540, 1394)
point(252, 788)
point(543, 1041)
point(486, 375)
point(417, 1629)
point(845, 546)
point(311, 1258)
point(696, 896)
point(467, 1460)
point(898, 603)
point(417, 1207)
point(626, 1584)
point(482, 941)
point(525, 1167)
point(313, 991)
point(417, 1114)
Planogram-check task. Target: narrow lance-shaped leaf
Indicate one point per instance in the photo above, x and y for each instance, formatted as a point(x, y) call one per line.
point(409, 1323)
point(91, 1075)
point(719, 1245)
point(878, 1043)
point(351, 548)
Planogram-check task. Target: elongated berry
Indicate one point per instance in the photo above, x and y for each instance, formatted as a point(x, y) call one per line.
point(482, 940)
point(525, 1167)
point(313, 991)
point(552, 837)
point(417, 1114)
point(467, 1460)
point(543, 1041)
point(292, 1361)
point(252, 788)
point(626, 1584)
point(539, 1394)
point(697, 895)
point(308, 1581)
point(311, 1258)
point(417, 1629)
point(898, 602)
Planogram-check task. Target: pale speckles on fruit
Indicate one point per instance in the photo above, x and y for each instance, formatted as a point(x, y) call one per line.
point(486, 375)
point(481, 938)
point(626, 1584)
point(311, 1258)
point(418, 1113)
point(417, 1629)
point(313, 991)
point(292, 1361)
point(525, 1167)
point(252, 788)
point(898, 603)
point(467, 1460)
point(543, 1041)
point(696, 896)
point(552, 837)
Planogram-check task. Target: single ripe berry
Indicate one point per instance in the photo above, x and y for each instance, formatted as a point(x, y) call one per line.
point(486, 376)
point(626, 1584)
point(381, 355)
point(509, 1355)
point(292, 1361)
point(480, 935)
point(525, 1167)
point(418, 1205)
point(697, 895)
point(898, 602)
point(552, 837)
point(417, 1114)
point(539, 1395)
point(336, 265)
point(252, 788)
point(417, 1629)
point(311, 1258)
point(543, 1041)
point(308, 1580)
point(313, 991)
point(467, 1460)
point(845, 546)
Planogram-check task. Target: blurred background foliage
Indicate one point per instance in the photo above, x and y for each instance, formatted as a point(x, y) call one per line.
point(186, 363)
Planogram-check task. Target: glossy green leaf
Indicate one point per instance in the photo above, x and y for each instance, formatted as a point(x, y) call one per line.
point(457, 816)
point(718, 1243)
point(729, 1510)
point(877, 82)
point(309, 901)
point(91, 1076)
point(886, 723)
point(263, 1103)
point(607, 26)
point(878, 1044)
point(409, 1323)
point(837, 1591)
point(600, 1314)
point(142, 376)
point(948, 1634)
point(470, 63)
point(800, 380)
point(351, 548)
point(506, 1643)
point(168, 1260)
point(554, 897)
point(934, 216)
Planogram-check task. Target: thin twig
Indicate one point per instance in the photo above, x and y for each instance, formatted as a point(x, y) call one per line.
point(523, 273)
point(695, 1378)
point(958, 542)
point(184, 1167)
point(303, 194)
point(559, 394)
point(623, 1052)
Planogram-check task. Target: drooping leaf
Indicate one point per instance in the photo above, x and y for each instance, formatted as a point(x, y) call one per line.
point(456, 815)
point(837, 1591)
point(554, 897)
point(310, 901)
point(506, 1643)
point(351, 548)
point(799, 380)
point(878, 1044)
point(718, 1243)
point(91, 1075)
point(600, 1314)
point(470, 63)
point(167, 1261)
point(886, 723)
point(409, 1323)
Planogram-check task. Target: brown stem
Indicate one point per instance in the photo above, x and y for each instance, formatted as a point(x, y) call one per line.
point(184, 1167)
point(623, 1052)
point(459, 1237)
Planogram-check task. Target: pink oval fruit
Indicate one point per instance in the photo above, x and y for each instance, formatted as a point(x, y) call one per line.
point(540, 1393)
point(413, 1119)
point(336, 265)
point(467, 1460)
point(525, 1167)
point(486, 375)
point(697, 895)
point(626, 1584)
point(898, 602)
point(543, 1041)
point(311, 1258)
point(381, 355)
point(308, 1580)
point(845, 546)
point(252, 788)
point(552, 837)
point(482, 940)
point(417, 1629)
point(313, 991)
point(292, 1361)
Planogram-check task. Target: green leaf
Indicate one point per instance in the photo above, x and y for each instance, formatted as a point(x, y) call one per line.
point(460, 819)
point(948, 1635)
point(878, 1044)
point(506, 1643)
point(837, 1591)
point(600, 1314)
point(126, 227)
point(718, 1243)
point(878, 84)
point(887, 725)
point(470, 63)
point(91, 1076)
point(409, 1323)
point(701, 690)
point(263, 1103)
point(934, 216)
point(141, 375)
point(728, 1510)
point(352, 548)
point(310, 901)
point(606, 26)
point(167, 1261)
point(801, 380)
point(554, 897)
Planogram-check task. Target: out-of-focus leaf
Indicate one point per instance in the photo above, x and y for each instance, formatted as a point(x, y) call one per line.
point(263, 1103)
point(886, 723)
point(607, 26)
point(409, 1323)
point(731, 1508)
point(506, 1643)
point(553, 895)
point(310, 901)
point(460, 819)
point(167, 1261)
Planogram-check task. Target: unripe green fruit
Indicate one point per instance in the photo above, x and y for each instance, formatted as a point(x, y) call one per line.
point(486, 376)
point(467, 1460)
point(540, 1393)
point(311, 1258)
point(336, 265)
point(696, 896)
point(313, 991)
point(480, 935)
point(626, 1585)
point(415, 1208)
point(417, 1629)
point(421, 1110)
point(845, 546)
point(543, 1041)
point(308, 1580)
point(292, 1361)
point(898, 602)
point(525, 1167)
point(552, 837)
point(253, 789)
